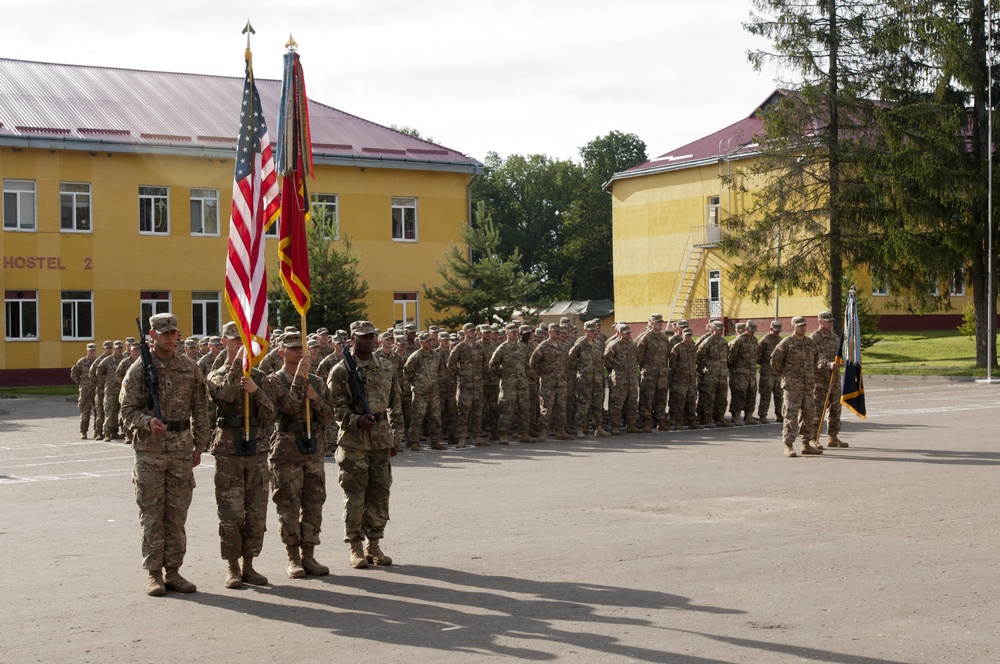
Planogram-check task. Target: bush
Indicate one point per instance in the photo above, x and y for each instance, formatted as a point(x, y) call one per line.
point(968, 326)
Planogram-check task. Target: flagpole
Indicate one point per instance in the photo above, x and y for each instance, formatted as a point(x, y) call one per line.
point(247, 369)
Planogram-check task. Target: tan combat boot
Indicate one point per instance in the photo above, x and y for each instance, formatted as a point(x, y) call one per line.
point(250, 575)
point(543, 435)
point(310, 564)
point(414, 446)
point(528, 438)
point(579, 432)
point(358, 560)
point(721, 422)
point(631, 428)
point(761, 419)
point(174, 581)
point(808, 448)
point(479, 441)
point(647, 428)
point(694, 424)
point(789, 450)
point(562, 435)
point(234, 577)
point(502, 439)
point(615, 432)
point(294, 569)
point(833, 441)
point(438, 445)
point(155, 586)
point(600, 432)
point(374, 555)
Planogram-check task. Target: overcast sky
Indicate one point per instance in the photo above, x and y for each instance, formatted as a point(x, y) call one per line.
point(512, 76)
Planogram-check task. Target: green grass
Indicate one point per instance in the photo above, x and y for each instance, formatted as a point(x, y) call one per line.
point(938, 353)
point(48, 391)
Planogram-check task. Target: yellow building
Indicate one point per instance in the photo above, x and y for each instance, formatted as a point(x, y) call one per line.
point(117, 187)
point(667, 216)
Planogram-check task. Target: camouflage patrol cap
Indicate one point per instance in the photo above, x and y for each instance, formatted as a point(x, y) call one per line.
point(163, 322)
point(91, 346)
point(312, 342)
point(291, 340)
point(798, 320)
point(544, 327)
point(292, 329)
point(443, 335)
point(825, 315)
point(400, 337)
point(130, 340)
point(775, 324)
point(424, 336)
point(410, 327)
point(717, 325)
point(524, 328)
point(740, 327)
point(322, 330)
point(687, 332)
point(108, 343)
point(510, 327)
point(590, 325)
point(468, 327)
point(190, 343)
point(230, 330)
point(362, 327)
point(204, 341)
point(215, 341)
point(119, 344)
point(385, 335)
point(624, 328)
point(452, 337)
point(752, 324)
point(655, 318)
point(484, 328)
point(683, 323)
point(434, 328)
point(564, 320)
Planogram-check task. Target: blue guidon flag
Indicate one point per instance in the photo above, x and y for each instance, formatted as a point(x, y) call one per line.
point(853, 389)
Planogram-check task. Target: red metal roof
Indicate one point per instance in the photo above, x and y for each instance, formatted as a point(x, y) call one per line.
point(146, 108)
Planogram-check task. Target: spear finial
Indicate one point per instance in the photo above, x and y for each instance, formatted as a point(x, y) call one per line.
point(291, 44)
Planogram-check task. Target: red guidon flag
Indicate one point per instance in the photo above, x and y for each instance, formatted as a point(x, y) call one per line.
point(255, 207)
point(294, 164)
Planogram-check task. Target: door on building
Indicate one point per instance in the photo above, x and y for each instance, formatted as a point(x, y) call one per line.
point(714, 293)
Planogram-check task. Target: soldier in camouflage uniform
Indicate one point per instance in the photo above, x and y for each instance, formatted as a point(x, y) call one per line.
point(99, 381)
point(509, 362)
point(322, 372)
point(120, 373)
point(586, 359)
point(684, 382)
point(491, 385)
point(550, 360)
point(80, 373)
point(298, 475)
point(166, 452)
point(241, 475)
point(466, 360)
point(272, 361)
point(366, 444)
point(622, 361)
point(742, 369)
point(795, 359)
point(653, 351)
point(400, 352)
point(826, 392)
point(112, 388)
point(325, 347)
point(446, 389)
point(422, 371)
point(531, 339)
point(713, 365)
point(770, 383)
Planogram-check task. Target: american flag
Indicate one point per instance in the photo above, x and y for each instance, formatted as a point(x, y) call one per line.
point(255, 207)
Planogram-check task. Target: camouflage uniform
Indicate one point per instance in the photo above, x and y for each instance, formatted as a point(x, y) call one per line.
point(241, 479)
point(120, 374)
point(398, 359)
point(446, 395)
point(713, 357)
point(534, 403)
point(99, 378)
point(271, 362)
point(298, 477)
point(510, 363)
point(491, 392)
point(587, 361)
point(112, 387)
point(622, 361)
point(770, 382)
point(363, 456)
point(684, 385)
point(742, 369)
point(466, 360)
point(549, 360)
point(795, 360)
point(164, 474)
point(323, 370)
point(653, 351)
point(421, 370)
point(827, 344)
point(80, 373)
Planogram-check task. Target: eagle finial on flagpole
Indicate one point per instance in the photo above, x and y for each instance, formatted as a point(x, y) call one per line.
point(291, 44)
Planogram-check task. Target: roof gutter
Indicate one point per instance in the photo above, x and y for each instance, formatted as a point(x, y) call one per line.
point(666, 168)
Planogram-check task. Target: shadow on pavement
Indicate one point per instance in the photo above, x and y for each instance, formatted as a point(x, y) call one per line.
point(799, 652)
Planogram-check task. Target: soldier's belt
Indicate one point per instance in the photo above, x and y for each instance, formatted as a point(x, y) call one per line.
point(236, 421)
point(289, 427)
point(178, 425)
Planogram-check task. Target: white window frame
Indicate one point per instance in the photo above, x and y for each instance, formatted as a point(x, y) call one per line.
point(150, 305)
point(327, 203)
point(200, 197)
point(715, 301)
point(403, 300)
point(272, 230)
point(402, 204)
point(958, 283)
point(75, 200)
point(201, 302)
point(153, 199)
point(21, 194)
point(77, 304)
point(20, 297)
point(713, 211)
point(879, 286)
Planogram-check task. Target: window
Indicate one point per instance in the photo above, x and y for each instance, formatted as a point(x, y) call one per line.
point(19, 205)
point(77, 315)
point(404, 219)
point(205, 313)
point(958, 283)
point(712, 211)
point(272, 230)
point(324, 212)
point(74, 207)
point(879, 285)
point(406, 308)
point(20, 310)
point(204, 212)
point(154, 211)
point(715, 293)
point(153, 302)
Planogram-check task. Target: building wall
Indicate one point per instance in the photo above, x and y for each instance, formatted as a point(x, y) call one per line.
point(116, 263)
point(653, 220)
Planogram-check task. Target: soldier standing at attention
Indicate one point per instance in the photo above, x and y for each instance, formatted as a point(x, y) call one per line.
point(120, 373)
point(586, 358)
point(422, 369)
point(241, 480)
point(446, 388)
point(621, 359)
point(770, 382)
point(742, 369)
point(298, 475)
point(99, 380)
point(713, 359)
point(400, 352)
point(510, 363)
point(795, 359)
point(166, 452)
point(80, 373)
point(827, 343)
point(684, 381)
point(366, 444)
point(466, 360)
point(491, 385)
point(653, 353)
point(112, 388)
point(549, 360)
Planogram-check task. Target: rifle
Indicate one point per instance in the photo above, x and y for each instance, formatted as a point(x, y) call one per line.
point(152, 378)
point(355, 379)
